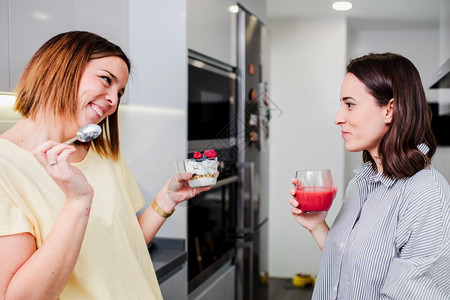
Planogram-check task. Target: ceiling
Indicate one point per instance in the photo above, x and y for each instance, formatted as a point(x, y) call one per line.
point(369, 13)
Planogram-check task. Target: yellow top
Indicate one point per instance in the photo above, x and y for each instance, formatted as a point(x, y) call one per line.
point(114, 262)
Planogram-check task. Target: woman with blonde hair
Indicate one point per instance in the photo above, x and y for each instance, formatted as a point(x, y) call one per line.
point(68, 225)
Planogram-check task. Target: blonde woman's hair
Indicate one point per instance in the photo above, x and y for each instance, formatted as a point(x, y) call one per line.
point(50, 82)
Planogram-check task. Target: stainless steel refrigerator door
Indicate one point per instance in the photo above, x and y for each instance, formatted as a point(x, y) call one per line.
point(252, 258)
point(252, 277)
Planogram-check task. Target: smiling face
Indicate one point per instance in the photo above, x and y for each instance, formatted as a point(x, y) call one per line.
point(362, 121)
point(101, 86)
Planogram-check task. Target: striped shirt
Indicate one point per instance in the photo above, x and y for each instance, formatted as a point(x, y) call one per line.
point(390, 239)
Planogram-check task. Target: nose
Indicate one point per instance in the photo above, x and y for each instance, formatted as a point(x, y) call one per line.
point(339, 119)
point(112, 97)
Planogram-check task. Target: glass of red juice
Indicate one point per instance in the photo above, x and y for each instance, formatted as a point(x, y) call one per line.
point(314, 190)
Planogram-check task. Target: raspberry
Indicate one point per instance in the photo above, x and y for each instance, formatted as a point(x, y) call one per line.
point(197, 155)
point(210, 153)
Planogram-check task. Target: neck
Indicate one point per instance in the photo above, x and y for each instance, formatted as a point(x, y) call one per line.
point(378, 163)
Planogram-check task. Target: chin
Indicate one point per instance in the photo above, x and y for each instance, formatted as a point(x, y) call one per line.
point(351, 148)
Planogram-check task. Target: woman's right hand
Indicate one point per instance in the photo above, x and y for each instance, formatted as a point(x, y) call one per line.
point(315, 222)
point(309, 221)
point(54, 157)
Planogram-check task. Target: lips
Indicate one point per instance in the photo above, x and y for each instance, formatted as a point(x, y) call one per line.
point(97, 109)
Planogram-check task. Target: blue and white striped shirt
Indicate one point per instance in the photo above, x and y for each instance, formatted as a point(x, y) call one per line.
point(390, 239)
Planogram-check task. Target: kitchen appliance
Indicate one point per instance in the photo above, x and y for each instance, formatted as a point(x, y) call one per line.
point(212, 223)
point(212, 125)
point(253, 158)
point(228, 110)
point(211, 103)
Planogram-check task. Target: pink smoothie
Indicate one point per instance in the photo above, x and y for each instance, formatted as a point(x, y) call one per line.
point(314, 199)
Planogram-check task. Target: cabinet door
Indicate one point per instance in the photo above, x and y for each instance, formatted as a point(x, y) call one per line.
point(175, 287)
point(211, 29)
point(4, 47)
point(32, 23)
point(220, 286)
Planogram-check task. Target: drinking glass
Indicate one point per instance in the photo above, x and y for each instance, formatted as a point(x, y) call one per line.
point(314, 190)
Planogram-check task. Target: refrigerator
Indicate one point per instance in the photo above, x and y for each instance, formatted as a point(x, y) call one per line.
point(253, 157)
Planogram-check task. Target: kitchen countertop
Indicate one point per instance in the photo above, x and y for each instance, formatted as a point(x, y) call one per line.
point(168, 256)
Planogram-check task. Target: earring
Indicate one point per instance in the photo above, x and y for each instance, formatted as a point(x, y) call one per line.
point(386, 122)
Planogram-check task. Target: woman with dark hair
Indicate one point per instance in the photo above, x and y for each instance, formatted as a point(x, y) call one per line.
point(391, 238)
point(68, 225)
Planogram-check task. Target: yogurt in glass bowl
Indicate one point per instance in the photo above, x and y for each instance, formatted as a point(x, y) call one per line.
point(203, 168)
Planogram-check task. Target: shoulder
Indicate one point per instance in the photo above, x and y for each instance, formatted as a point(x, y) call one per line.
point(426, 194)
point(427, 182)
point(12, 155)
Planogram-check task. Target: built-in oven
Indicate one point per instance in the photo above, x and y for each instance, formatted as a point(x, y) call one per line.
point(212, 125)
point(212, 223)
point(211, 103)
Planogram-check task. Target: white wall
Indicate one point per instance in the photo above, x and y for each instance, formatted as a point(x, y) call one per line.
point(421, 46)
point(154, 126)
point(308, 65)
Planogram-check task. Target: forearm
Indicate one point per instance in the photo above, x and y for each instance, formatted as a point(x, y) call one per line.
point(45, 274)
point(175, 191)
point(320, 233)
point(150, 221)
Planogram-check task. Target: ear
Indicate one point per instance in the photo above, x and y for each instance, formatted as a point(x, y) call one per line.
point(389, 111)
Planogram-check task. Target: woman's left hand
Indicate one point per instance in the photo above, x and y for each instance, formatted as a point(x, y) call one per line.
point(177, 190)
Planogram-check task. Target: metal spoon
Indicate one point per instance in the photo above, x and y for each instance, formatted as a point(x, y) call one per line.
point(86, 133)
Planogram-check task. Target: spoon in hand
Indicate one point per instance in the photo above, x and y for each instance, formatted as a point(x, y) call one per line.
point(86, 133)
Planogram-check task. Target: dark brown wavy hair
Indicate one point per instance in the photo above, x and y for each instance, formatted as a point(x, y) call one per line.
point(391, 76)
point(51, 79)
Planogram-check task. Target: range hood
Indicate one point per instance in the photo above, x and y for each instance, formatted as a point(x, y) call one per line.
point(442, 77)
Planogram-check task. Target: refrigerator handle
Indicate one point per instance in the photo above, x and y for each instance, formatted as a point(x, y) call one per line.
point(251, 167)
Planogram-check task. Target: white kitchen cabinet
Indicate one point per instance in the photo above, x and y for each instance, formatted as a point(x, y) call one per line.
point(211, 29)
point(158, 92)
point(175, 287)
point(257, 8)
point(4, 47)
point(220, 286)
point(32, 23)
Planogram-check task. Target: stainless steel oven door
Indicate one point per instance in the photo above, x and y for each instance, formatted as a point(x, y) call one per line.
point(211, 227)
point(211, 104)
